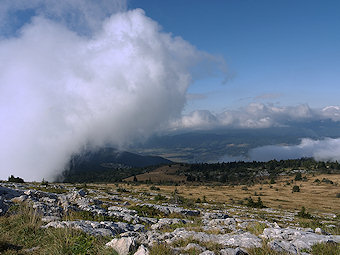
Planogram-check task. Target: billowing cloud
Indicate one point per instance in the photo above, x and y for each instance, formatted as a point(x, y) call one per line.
point(327, 149)
point(61, 91)
point(255, 115)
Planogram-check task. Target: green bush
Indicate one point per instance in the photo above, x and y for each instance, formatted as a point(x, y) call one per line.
point(15, 179)
point(328, 181)
point(154, 188)
point(147, 211)
point(303, 214)
point(258, 204)
point(44, 182)
point(159, 197)
point(298, 177)
point(296, 188)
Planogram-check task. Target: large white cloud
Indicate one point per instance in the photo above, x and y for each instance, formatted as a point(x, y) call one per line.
point(255, 115)
point(61, 90)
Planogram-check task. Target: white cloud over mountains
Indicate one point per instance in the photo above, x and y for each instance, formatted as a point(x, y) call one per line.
point(61, 91)
point(255, 115)
point(327, 149)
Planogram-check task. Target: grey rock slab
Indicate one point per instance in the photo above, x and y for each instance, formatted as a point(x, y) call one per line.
point(283, 246)
point(96, 228)
point(173, 209)
point(3, 207)
point(8, 193)
point(194, 246)
point(215, 215)
point(123, 246)
point(232, 251)
point(19, 199)
point(299, 238)
point(245, 240)
point(167, 222)
point(207, 253)
point(50, 218)
point(142, 250)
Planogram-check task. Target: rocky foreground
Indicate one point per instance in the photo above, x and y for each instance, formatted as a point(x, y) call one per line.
point(136, 222)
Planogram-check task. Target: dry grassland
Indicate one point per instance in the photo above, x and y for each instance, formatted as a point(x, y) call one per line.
point(316, 197)
point(164, 173)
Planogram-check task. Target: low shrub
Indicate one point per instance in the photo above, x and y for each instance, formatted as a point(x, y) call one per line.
point(147, 211)
point(159, 197)
point(296, 188)
point(303, 214)
point(256, 228)
point(258, 204)
point(328, 181)
point(154, 188)
point(15, 179)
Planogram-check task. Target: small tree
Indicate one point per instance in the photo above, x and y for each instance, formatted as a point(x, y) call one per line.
point(44, 182)
point(303, 214)
point(15, 179)
point(296, 189)
point(298, 177)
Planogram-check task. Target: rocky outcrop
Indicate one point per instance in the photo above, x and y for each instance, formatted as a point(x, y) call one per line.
point(123, 246)
point(104, 228)
point(293, 240)
point(225, 228)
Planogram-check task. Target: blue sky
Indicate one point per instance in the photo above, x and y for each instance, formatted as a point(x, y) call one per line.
point(80, 73)
point(281, 52)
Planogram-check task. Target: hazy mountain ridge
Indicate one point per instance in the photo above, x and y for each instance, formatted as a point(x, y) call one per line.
point(214, 145)
point(108, 164)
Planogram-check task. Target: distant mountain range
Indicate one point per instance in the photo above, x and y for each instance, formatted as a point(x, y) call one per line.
point(109, 164)
point(215, 145)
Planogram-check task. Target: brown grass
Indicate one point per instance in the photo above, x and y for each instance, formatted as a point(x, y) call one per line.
point(161, 174)
point(315, 197)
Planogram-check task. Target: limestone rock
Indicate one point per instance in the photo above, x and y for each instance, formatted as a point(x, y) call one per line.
point(123, 246)
point(142, 251)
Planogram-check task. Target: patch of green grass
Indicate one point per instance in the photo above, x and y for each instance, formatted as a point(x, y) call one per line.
point(314, 223)
point(325, 249)
point(21, 230)
point(264, 250)
point(256, 228)
point(162, 248)
point(85, 215)
point(304, 214)
point(212, 246)
point(154, 188)
point(160, 198)
point(71, 241)
point(147, 211)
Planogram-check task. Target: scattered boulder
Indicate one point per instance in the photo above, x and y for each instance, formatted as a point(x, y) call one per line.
point(232, 251)
point(123, 246)
point(142, 251)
